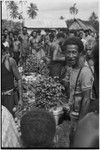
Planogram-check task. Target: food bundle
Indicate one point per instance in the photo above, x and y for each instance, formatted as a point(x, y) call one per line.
point(33, 64)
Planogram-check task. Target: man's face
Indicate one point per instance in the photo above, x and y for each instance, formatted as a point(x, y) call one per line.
point(24, 31)
point(72, 55)
point(61, 40)
point(3, 38)
point(47, 39)
point(15, 37)
point(11, 35)
point(6, 32)
point(81, 35)
point(89, 50)
point(34, 34)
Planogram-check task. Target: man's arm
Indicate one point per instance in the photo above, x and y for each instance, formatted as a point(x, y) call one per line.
point(85, 103)
point(86, 86)
point(17, 76)
point(55, 54)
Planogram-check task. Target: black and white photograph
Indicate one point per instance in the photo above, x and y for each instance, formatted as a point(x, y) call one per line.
point(50, 74)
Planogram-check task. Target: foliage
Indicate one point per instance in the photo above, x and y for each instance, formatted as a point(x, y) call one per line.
point(93, 17)
point(73, 10)
point(94, 21)
point(48, 93)
point(32, 10)
point(12, 6)
point(33, 64)
point(61, 17)
point(11, 26)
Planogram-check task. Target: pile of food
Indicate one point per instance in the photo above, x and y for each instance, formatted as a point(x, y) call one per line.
point(48, 93)
point(33, 64)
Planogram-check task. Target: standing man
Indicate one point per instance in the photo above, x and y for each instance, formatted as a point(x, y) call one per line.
point(24, 39)
point(16, 48)
point(56, 55)
point(79, 81)
point(80, 78)
point(9, 73)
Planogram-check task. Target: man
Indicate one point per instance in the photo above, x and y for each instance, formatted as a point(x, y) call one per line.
point(9, 73)
point(78, 82)
point(82, 39)
point(87, 132)
point(34, 38)
point(4, 41)
point(72, 33)
point(80, 79)
point(89, 56)
point(16, 48)
point(38, 129)
point(24, 39)
point(57, 57)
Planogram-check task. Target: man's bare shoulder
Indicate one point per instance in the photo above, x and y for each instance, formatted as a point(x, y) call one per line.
point(12, 61)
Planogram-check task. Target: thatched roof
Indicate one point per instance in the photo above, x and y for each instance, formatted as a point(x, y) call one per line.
point(91, 28)
point(45, 23)
point(77, 25)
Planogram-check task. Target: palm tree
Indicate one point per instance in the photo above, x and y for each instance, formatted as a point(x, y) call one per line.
point(73, 10)
point(32, 10)
point(93, 17)
point(12, 6)
point(61, 17)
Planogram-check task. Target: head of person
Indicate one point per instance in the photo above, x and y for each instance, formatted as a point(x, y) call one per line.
point(60, 37)
point(51, 36)
point(10, 34)
point(81, 35)
point(4, 50)
point(4, 37)
point(34, 34)
point(90, 31)
point(89, 48)
point(73, 47)
point(24, 30)
point(86, 33)
point(72, 33)
point(38, 129)
point(5, 32)
point(47, 39)
point(15, 36)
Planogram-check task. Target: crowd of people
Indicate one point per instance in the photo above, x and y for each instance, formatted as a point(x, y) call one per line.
point(73, 56)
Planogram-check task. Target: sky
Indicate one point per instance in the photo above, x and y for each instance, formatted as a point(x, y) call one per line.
point(53, 9)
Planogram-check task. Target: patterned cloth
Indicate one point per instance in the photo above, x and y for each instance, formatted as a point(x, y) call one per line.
point(10, 136)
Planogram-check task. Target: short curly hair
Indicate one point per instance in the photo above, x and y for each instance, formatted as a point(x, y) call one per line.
point(74, 41)
point(38, 128)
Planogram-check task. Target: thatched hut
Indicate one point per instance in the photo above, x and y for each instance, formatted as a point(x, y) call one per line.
point(77, 25)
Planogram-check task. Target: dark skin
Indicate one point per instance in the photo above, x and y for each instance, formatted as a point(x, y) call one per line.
point(55, 54)
point(87, 133)
point(13, 65)
point(72, 58)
